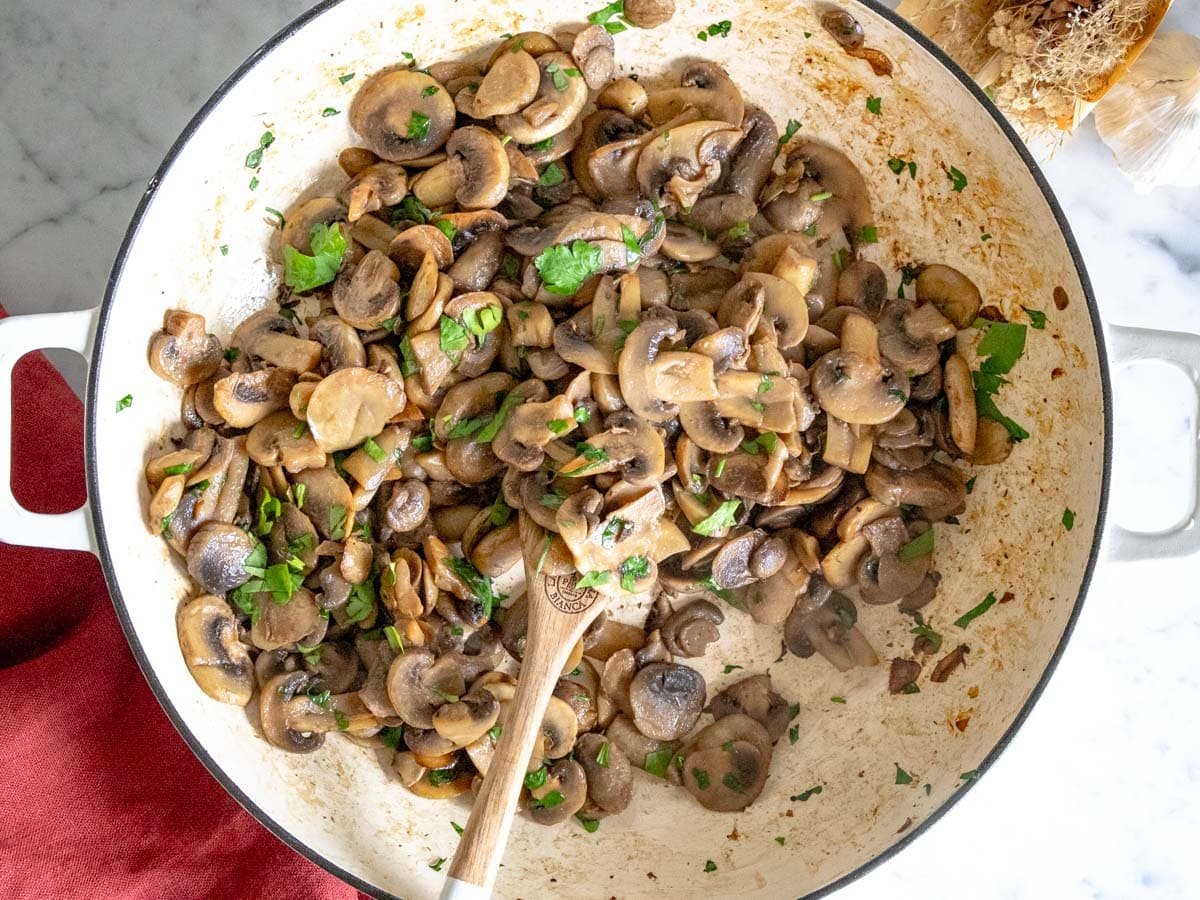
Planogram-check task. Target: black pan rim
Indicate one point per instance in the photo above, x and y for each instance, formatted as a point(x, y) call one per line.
point(197, 746)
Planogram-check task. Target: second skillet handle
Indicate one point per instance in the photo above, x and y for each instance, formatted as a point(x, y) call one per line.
point(20, 335)
point(1131, 345)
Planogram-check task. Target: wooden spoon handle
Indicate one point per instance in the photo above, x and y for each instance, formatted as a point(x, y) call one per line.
point(551, 636)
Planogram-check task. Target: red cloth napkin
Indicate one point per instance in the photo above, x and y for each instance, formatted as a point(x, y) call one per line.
point(100, 795)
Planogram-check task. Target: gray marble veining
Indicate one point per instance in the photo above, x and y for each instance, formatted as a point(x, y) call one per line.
point(1097, 798)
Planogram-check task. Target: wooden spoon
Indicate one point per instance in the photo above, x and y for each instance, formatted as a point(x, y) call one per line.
point(559, 612)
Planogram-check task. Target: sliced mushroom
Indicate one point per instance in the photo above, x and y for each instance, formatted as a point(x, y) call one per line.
point(725, 767)
point(554, 108)
point(283, 440)
point(649, 13)
point(688, 631)
point(854, 383)
point(284, 624)
point(677, 166)
point(953, 293)
point(624, 95)
point(909, 337)
point(593, 52)
point(511, 83)
point(753, 696)
point(609, 774)
point(217, 659)
point(480, 158)
point(351, 405)
point(399, 118)
point(367, 294)
point(216, 557)
point(372, 188)
point(562, 795)
point(183, 352)
point(666, 700)
point(272, 710)
point(960, 400)
point(705, 87)
point(413, 701)
point(823, 621)
point(245, 399)
point(467, 719)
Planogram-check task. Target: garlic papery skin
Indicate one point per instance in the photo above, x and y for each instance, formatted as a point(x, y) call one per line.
point(1151, 118)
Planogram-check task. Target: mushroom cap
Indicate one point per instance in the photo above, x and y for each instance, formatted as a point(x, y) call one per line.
point(217, 659)
point(367, 294)
point(467, 719)
point(705, 87)
point(649, 13)
point(351, 405)
point(183, 352)
point(641, 348)
point(853, 383)
point(272, 709)
point(273, 442)
point(511, 84)
point(324, 492)
point(216, 557)
point(624, 95)
point(725, 766)
point(553, 110)
point(278, 625)
point(413, 701)
point(342, 345)
point(731, 566)
point(953, 293)
point(484, 166)
point(682, 161)
point(909, 336)
point(563, 794)
point(688, 631)
point(753, 696)
point(398, 118)
point(593, 50)
point(609, 784)
point(666, 700)
point(245, 398)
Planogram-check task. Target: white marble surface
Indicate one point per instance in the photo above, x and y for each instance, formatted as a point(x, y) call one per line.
point(1099, 796)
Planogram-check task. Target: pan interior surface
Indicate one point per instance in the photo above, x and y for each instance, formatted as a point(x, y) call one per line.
point(342, 803)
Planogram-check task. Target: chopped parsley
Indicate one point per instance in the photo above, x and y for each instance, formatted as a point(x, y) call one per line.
point(489, 431)
point(716, 29)
point(788, 133)
point(958, 180)
point(921, 545)
point(1037, 318)
point(458, 829)
point(733, 782)
point(713, 588)
point(254, 157)
point(329, 111)
point(657, 762)
point(373, 450)
point(972, 775)
point(592, 579)
point(125, 402)
point(1002, 345)
point(362, 602)
point(393, 638)
point(701, 777)
point(500, 512)
point(483, 320)
point(408, 360)
point(719, 469)
point(411, 210)
point(349, 76)
point(602, 755)
point(452, 337)
point(740, 230)
point(820, 196)
point(537, 778)
point(591, 826)
point(480, 585)
point(1068, 519)
point(446, 227)
point(867, 234)
point(302, 272)
point(429, 92)
point(902, 777)
point(564, 268)
point(837, 700)
point(437, 864)
point(794, 733)
point(898, 165)
point(924, 630)
point(418, 126)
point(582, 415)
point(724, 518)
point(181, 469)
point(231, 354)
point(764, 443)
point(875, 105)
point(552, 175)
point(803, 796)
point(974, 613)
point(391, 736)
point(633, 569)
point(337, 522)
point(710, 866)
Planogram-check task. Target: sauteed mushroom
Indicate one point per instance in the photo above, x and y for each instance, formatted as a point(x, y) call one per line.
point(644, 326)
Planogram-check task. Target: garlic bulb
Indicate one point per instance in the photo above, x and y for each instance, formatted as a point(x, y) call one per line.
point(1151, 118)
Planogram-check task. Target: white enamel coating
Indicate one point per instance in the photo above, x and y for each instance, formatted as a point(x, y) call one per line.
point(341, 803)
point(20, 335)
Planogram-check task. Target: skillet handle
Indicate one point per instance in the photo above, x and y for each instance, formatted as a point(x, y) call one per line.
point(1131, 345)
point(20, 335)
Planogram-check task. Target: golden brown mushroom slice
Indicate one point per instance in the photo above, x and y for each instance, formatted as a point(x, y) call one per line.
point(467, 719)
point(216, 557)
point(909, 335)
point(511, 83)
point(609, 773)
point(244, 399)
point(268, 336)
point(953, 293)
point(649, 13)
point(351, 405)
point(593, 50)
point(666, 700)
point(399, 117)
point(217, 659)
point(680, 163)
point(705, 87)
point(281, 439)
point(960, 401)
point(625, 95)
point(725, 767)
point(561, 795)
point(272, 709)
point(753, 696)
point(183, 352)
point(628, 444)
point(371, 189)
point(368, 293)
point(559, 101)
point(479, 166)
point(286, 624)
point(854, 383)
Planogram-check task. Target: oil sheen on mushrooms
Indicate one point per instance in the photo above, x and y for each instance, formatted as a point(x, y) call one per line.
point(639, 318)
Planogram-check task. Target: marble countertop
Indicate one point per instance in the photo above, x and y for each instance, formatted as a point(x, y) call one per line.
point(1097, 797)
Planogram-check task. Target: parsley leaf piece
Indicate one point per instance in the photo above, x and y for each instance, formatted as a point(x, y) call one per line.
point(924, 630)
point(591, 826)
point(1002, 344)
point(125, 402)
point(875, 105)
point(362, 602)
point(411, 210)
point(437, 864)
point(602, 755)
point(958, 180)
point(349, 76)
point(552, 175)
point(921, 545)
point(632, 570)
point(710, 866)
point(867, 234)
point(902, 777)
point(974, 613)
point(418, 126)
point(478, 584)
point(302, 272)
point(489, 431)
point(713, 588)
point(788, 133)
point(724, 518)
point(657, 762)
point(483, 320)
point(373, 450)
point(564, 268)
point(701, 777)
point(329, 111)
point(1037, 318)
point(254, 157)
point(1068, 518)
point(600, 16)
point(452, 337)
point(591, 579)
point(337, 522)
point(446, 227)
point(536, 778)
point(803, 796)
